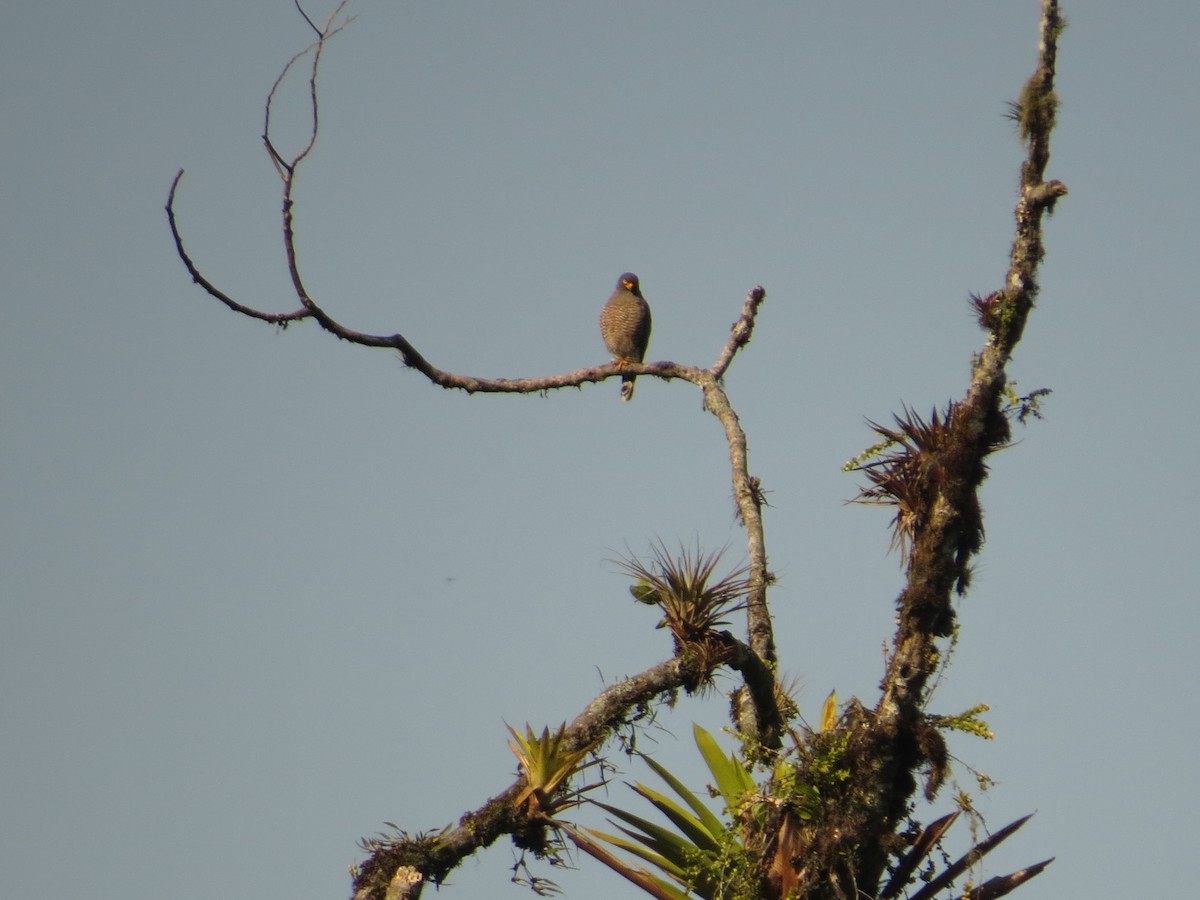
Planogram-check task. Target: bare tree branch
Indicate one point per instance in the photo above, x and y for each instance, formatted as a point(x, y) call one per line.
point(288, 168)
point(761, 718)
point(739, 332)
point(274, 318)
point(762, 712)
point(300, 10)
point(409, 355)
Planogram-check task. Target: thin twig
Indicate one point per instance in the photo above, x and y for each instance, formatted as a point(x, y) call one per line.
point(213, 290)
point(307, 19)
point(285, 167)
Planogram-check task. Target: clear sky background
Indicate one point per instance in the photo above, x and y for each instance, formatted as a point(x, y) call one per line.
point(261, 592)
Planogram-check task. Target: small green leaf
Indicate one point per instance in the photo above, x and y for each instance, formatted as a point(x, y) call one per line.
point(643, 592)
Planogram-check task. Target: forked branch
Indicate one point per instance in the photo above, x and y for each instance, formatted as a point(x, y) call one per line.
point(747, 497)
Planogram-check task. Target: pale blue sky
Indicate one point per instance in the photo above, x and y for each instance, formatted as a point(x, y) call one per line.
point(261, 592)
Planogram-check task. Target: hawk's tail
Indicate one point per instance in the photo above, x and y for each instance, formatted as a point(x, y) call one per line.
point(627, 387)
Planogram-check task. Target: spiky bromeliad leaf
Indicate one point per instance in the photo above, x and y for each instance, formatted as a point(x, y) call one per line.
point(732, 778)
point(638, 849)
point(991, 889)
point(546, 764)
point(697, 853)
point(691, 827)
point(1002, 885)
point(920, 849)
point(904, 477)
point(647, 881)
point(946, 877)
point(690, 867)
point(674, 848)
point(680, 586)
point(715, 827)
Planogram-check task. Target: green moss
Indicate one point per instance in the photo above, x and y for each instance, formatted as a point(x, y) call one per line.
point(1037, 107)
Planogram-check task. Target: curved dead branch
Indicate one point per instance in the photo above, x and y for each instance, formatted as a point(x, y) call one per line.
point(762, 711)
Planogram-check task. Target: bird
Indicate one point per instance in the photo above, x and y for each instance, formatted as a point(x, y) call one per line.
point(625, 327)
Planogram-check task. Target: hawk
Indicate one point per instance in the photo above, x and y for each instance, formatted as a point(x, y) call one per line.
point(625, 327)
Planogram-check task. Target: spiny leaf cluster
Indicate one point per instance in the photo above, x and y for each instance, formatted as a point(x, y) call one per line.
point(905, 471)
point(701, 854)
point(546, 764)
point(681, 586)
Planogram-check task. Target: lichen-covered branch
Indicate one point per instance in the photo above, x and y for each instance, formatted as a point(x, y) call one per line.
point(759, 718)
point(932, 476)
point(435, 855)
point(739, 332)
point(746, 492)
point(944, 465)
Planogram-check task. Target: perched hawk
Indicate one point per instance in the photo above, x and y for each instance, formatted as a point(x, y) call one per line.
point(625, 327)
